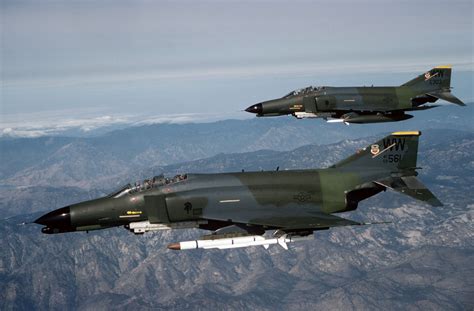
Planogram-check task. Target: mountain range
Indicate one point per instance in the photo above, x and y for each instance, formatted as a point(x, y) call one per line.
point(421, 260)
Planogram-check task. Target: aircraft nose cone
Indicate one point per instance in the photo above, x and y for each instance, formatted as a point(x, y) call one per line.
point(257, 109)
point(60, 218)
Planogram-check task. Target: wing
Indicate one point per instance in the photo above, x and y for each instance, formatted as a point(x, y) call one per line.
point(312, 221)
point(288, 217)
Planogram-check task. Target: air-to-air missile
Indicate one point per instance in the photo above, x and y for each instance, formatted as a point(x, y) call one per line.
point(363, 104)
point(240, 207)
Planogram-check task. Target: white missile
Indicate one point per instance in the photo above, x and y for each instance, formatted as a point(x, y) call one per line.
point(337, 121)
point(237, 242)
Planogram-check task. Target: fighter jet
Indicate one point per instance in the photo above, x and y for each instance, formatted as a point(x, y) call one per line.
point(363, 104)
point(239, 208)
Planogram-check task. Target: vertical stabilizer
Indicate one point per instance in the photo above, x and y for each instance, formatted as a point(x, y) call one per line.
point(395, 152)
point(393, 158)
point(438, 78)
point(435, 83)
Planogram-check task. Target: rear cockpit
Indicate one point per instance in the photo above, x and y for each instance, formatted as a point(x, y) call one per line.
point(155, 182)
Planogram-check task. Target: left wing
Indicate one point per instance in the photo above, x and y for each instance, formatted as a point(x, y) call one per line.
point(291, 215)
point(311, 221)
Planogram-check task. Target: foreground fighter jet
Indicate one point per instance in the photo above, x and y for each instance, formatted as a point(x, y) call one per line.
point(240, 207)
point(363, 104)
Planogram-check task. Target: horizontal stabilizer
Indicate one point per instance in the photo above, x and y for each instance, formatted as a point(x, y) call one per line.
point(447, 96)
point(412, 187)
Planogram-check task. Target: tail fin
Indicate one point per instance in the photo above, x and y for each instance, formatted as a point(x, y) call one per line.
point(396, 152)
point(435, 79)
point(393, 158)
point(436, 83)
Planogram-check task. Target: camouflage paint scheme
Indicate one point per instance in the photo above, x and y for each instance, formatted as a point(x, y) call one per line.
point(295, 202)
point(363, 104)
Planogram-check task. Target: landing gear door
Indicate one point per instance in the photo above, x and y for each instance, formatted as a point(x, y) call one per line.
point(155, 206)
point(309, 104)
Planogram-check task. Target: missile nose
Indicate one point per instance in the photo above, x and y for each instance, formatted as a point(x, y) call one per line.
point(60, 218)
point(257, 109)
point(174, 246)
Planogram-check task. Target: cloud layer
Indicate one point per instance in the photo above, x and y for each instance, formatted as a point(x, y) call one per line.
point(50, 126)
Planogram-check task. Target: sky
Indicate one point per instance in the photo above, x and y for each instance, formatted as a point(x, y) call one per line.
point(87, 63)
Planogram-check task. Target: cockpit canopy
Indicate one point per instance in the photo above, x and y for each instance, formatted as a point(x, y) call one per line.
point(154, 182)
point(304, 91)
point(120, 191)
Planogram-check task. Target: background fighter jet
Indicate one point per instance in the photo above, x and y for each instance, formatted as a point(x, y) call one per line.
point(363, 104)
point(240, 207)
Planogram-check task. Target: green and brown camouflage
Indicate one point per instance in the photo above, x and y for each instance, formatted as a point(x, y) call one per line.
point(363, 104)
point(295, 202)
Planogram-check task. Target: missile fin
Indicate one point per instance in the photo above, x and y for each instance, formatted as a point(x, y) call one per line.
point(282, 241)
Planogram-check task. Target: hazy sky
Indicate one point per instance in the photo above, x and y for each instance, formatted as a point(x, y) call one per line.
point(109, 59)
